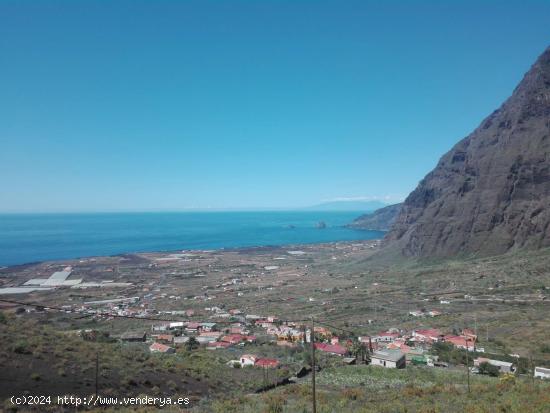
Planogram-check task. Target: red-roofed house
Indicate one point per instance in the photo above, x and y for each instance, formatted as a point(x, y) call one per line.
point(237, 330)
point(218, 344)
point(265, 362)
point(160, 348)
point(429, 335)
point(192, 327)
point(165, 338)
point(462, 342)
point(210, 334)
point(468, 332)
point(233, 338)
point(399, 345)
point(331, 348)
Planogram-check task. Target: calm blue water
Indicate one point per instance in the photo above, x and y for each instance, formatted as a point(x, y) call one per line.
point(38, 237)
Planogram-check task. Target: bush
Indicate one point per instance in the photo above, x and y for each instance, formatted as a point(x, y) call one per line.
point(275, 403)
point(192, 344)
point(489, 369)
point(21, 347)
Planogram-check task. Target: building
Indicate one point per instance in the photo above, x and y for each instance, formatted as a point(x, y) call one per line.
point(192, 327)
point(417, 313)
point(233, 338)
point(165, 338)
point(462, 342)
point(429, 335)
point(247, 360)
point(468, 332)
point(503, 366)
point(218, 344)
point(215, 335)
point(160, 327)
point(385, 337)
point(177, 325)
point(207, 326)
point(206, 339)
point(542, 372)
point(133, 337)
point(335, 349)
point(178, 341)
point(393, 359)
point(161, 348)
point(266, 363)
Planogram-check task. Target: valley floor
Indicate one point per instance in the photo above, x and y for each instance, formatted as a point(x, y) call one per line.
point(51, 338)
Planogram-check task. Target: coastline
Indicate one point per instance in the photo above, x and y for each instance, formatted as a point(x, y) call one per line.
point(38, 238)
point(239, 250)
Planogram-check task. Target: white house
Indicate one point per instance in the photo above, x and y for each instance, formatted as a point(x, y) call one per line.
point(247, 360)
point(503, 366)
point(180, 340)
point(542, 372)
point(385, 337)
point(392, 359)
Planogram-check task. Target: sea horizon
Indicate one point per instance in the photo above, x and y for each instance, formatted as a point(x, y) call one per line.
point(27, 237)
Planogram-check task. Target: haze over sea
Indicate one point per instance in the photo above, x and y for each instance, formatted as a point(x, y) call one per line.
point(28, 238)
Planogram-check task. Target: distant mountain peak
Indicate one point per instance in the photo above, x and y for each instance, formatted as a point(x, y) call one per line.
point(490, 193)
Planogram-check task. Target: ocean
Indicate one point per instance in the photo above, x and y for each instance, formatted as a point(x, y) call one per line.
point(26, 238)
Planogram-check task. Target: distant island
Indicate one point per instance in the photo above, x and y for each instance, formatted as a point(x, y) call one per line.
point(351, 205)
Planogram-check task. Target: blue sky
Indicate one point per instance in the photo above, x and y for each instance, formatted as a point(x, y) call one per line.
point(135, 105)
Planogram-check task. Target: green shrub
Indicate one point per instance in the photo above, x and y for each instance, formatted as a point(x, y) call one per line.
point(489, 369)
point(22, 347)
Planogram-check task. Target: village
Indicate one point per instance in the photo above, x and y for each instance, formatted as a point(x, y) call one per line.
point(233, 329)
point(255, 308)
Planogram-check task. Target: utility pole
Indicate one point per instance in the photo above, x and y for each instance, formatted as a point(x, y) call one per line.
point(96, 373)
point(533, 371)
point(312, 339)
point(468, 365)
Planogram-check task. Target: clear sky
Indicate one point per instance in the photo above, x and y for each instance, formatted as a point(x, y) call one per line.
point(140, 105)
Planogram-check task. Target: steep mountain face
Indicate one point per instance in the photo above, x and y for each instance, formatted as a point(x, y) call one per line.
point(491, 192)
point(380, 220)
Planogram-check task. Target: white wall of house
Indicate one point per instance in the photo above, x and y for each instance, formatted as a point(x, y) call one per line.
point(383, 363)
point(247, 361)
point(542, 372)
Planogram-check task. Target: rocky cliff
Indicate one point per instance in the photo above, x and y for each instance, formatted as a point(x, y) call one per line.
point(380, 220)
point(491, 192)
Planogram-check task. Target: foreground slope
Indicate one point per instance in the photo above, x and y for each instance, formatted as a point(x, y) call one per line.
point(490, 193)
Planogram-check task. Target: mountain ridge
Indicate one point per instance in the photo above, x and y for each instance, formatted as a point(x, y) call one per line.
point(489, 194)
point(381, 219)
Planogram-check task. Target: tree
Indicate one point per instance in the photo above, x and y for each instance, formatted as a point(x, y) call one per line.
point(191, 344)
point(489, 369)
point(358, 350)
